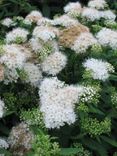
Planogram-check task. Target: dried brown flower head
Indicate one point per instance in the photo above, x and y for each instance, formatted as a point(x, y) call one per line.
point(1, 72)
point(20, 139)
point(69, 35)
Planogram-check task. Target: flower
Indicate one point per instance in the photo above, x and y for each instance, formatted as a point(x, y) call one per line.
point(7, 22)
point(65, 21)
point(98, 69)
point(33, 72)
point(90, 94)
point(83, 42)
point(91, 14)
point(18, 35)
point(108, 15)
point(27, 21)
point(13, 57)
point(57, 102)
point(43, 49)
point(3, 143)
point(107, 37)
point(10, 75)
point(2, 106)
point(98, 4)
point(54, 63)
point(45, 33)
point(37, 45)
point(73, 9)
point(44, 21)
point(69, 35)
point(20, 139)
point(34, 16)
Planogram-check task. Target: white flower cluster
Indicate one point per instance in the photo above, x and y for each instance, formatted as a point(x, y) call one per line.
point(107, 37)
point(17, 35)
point(57, 102)
point(12, 56)
point(44, 21)
point(54, 63)
point(2, 107)
point(65, 21)
point(98, 69)
point(83, 42)
point(34, 16)
point(89, 93)
point(45, 33)
point(3, 143)
point(107, 15)
point(73, 9)
point(91, 14)
point(98, 4)
point(27, 21)
point(10, 75)
point(47, 47)
point(8, 22)
point(34, 74)
point(44, 41)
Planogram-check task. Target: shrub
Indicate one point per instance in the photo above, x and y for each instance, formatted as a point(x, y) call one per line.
point(58, 82)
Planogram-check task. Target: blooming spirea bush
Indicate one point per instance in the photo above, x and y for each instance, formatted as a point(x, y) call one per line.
point(58, 83)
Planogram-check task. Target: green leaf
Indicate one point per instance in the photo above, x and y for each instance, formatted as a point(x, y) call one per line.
point(95, 110)
point(111, 141)
point(113, 77)
point(94, 145)
point(5, 152)
point(69, 151)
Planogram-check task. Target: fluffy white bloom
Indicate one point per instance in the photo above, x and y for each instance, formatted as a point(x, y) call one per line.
point(73, 9)
point(2, 106)
point(44, 33)
point(107, 37)
point(89, 93)
point(34, 75)
point(27, 21)
point(3, 143)
point(13, 57)
point(83, 42)
point(37, 46)
point(98, 4)
point(44, 21)
point(108, 15)
point(25, 50)
point(11, 75)
point(54, 63)
point(17, 34)
point(65, 21)
point(98, 69)
point(57, 102)
point(91, 14)
point(34, 16)
point(7, 22)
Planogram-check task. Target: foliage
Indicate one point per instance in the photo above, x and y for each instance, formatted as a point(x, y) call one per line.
point(42, 146)
point(20, 7)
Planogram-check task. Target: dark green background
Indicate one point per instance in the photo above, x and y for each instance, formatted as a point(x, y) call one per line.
point(48, 7)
